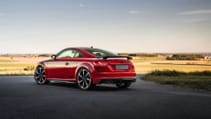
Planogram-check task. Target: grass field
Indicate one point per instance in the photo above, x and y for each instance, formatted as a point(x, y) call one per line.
point(143, 65)
point(196, 80)
point(18, 65)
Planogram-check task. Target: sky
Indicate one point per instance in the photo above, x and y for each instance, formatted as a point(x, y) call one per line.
point(150, 26)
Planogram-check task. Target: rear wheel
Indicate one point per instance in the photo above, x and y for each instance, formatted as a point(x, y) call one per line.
point(123, 84)
point(84, 80)
point(40, 76)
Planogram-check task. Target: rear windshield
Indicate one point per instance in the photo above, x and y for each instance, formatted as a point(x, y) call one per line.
point(100, 52)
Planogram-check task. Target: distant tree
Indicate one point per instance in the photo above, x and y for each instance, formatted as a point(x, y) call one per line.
point(44, 55)
point(184, 57)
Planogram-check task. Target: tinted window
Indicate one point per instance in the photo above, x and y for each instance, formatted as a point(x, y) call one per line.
point(100, 53)
point(69, 54)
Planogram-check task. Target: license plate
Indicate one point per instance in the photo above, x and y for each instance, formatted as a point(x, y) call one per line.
point(121, 67)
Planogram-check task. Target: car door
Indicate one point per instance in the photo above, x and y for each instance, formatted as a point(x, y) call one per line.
point(63, 66)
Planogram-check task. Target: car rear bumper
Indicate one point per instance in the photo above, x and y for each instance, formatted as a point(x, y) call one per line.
point(117, 80)
point(113, 77)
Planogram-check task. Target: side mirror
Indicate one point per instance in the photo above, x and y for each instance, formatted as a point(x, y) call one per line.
point(53, 56)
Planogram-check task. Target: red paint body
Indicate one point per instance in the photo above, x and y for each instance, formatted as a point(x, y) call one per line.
point(101, 69)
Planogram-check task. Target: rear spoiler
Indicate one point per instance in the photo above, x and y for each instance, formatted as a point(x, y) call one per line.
point(128, 57)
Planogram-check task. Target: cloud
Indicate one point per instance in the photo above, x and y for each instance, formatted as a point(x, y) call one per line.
point(134, 12)
point(81, 5)
point(196, 12)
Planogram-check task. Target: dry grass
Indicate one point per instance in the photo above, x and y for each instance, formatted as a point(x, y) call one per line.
point(149, 64)
point(196, 80)
point(16, 65)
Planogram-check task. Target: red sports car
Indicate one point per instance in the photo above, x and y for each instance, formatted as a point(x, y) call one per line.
point(86, 67)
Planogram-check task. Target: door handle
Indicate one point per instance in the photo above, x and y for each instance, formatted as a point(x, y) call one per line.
point(66, 63)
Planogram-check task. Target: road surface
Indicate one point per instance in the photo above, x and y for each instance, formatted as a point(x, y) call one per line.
point(21, 98)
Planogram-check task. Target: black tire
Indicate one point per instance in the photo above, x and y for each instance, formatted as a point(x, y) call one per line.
point(84, 79)
point(123, 84)
point(40, 76)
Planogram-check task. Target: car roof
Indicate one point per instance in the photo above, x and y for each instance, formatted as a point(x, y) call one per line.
point(83, 51)
point(81, 48)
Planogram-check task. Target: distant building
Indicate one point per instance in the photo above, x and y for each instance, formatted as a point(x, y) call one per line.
point(207, 57)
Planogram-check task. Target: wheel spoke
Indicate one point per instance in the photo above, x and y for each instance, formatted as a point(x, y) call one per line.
point(37, 77)
point(83, 84)
point(80, 78)
point(41, 80)
point(37, 72)
point(79, 81)
point(87, 74)
point(88, 79)
point(86, 83)
point(80, 75)
point(43, 71)
point(84, 72)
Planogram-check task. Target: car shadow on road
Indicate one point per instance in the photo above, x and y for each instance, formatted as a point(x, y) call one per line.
point(96, 88)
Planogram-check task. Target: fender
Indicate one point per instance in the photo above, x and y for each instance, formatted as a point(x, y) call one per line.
point(87, 65)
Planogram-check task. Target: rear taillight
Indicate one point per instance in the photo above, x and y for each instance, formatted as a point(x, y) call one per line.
point(101, 66)
point(100, 63)
point(132, 67)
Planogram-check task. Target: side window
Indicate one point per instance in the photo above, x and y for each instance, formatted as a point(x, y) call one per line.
point(69, 54)
point(99, 54)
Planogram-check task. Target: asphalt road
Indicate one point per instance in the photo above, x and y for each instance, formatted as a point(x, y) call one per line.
point(21, 98)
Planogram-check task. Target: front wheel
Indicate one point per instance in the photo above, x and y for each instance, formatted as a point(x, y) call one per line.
point(40, 76)
point(123, 84)
point(84, 79)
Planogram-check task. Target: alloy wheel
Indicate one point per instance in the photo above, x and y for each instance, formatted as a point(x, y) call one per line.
point(84, 80)
point(40, 76)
